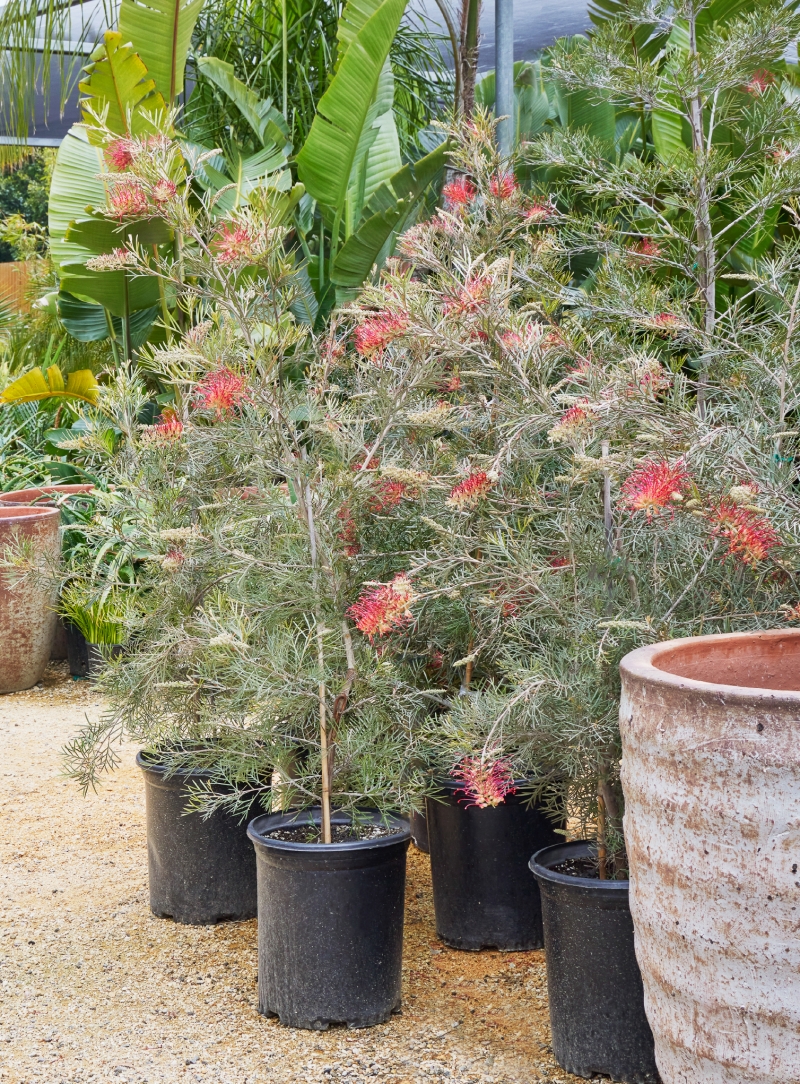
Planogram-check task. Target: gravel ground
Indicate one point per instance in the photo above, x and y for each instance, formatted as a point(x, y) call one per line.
point(93, 987)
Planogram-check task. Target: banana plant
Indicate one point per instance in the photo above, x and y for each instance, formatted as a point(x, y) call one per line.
point(34, 386)
point(350, 163)
point(131, 82)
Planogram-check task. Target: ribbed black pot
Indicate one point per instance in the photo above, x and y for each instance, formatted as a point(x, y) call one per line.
point(593, 980)
point(419, 831)
point(200, 871)
point(330, 924)
point(483, 893)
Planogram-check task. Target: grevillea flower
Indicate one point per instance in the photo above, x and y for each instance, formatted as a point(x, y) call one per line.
point(470, 296)
point(388, 494)
point(750, 536)
point(503, 185)
point(573, 423)
point(472, 490)
point(760, 81)
point(646, 249)
point(117, 260)
point(120, 154)
point(169, 428)
point(653, 485)
point(375, 333)
point(173, 560)
point(221, 391)
point(385, 608)
point(666, 321)
point(199, 332)
point(485, 784)
point(128, 199)
point(163, 190)
point(538, 211)
point(460, 192)
point(348, 535)
point(780, 153)
point(234, 243)
point(651, 376)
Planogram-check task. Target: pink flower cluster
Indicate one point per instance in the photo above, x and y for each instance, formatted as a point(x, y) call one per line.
point(235, 243)
point(749, 535)
point(653, 486)
point(221, 392)
point(471, 491)
point(385, 608)
point(375, 333)
point(485, 784)
point(460, 192)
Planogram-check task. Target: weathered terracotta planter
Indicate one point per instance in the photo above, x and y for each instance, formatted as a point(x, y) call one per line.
point(27, 613)
point(43, 495)
point(711, 773)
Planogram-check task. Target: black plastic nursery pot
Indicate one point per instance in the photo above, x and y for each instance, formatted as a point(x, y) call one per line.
point(483, 893)
point(98, 656)
point(419, 831)
point(594, 984)
point(330, 922)
point(200, 871)
point(77, 651)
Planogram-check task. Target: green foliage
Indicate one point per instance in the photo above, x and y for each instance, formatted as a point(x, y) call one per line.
point(23, 192)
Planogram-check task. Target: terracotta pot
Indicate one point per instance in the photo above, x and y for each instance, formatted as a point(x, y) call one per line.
point(27, 613)
point(711, 773)
point(39, 494)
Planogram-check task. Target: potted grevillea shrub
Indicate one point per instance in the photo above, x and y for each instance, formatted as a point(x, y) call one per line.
point(254, 675)
point(576, 512)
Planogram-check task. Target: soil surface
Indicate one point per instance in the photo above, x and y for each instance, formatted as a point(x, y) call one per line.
point(93, 987)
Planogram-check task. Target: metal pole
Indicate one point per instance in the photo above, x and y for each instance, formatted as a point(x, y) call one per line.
point(504, 73)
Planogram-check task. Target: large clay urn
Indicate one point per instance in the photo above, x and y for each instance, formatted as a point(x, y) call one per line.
point(711, 774)
point(27, 606)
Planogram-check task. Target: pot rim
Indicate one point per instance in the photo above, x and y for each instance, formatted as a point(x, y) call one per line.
point(640, 664)
point(579, 848)
point(33, 494)
point(21, 512)
point(314, 816)
point(158, 768)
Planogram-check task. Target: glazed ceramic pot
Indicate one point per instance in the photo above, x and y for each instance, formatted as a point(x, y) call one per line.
point(711, 774)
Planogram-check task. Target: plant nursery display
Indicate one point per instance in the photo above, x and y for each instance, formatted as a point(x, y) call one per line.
point(710, 765)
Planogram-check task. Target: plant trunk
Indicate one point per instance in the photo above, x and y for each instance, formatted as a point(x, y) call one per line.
point(470, 16)
point(706, 253)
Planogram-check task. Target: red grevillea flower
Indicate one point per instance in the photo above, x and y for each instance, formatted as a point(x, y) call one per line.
point(234, 243)
point(170, 427)
point(470, 296)
point(388, 494)
point(473, 489)
point(163, 190)
point(173, 560)
point(128, 199)
point(749, 535)
point(221, 391)
point(385, 608)
point(646, 249)
point(120, 154)
point(485, 785)
point(652, 486)
point(376, 332)
point(460, 192)
point(348, 534)
point(760, 81)
point(538, 211)
point(503, 185)
point(666, 321)
point(573, 423)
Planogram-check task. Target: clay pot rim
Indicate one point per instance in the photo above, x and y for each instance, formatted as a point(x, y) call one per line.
point(640, 664)
point(20, 512)
point(34, 494)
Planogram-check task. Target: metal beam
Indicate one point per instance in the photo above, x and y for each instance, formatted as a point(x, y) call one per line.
point(504, 74)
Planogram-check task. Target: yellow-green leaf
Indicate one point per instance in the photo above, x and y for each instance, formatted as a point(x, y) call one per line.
point(33, 387)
